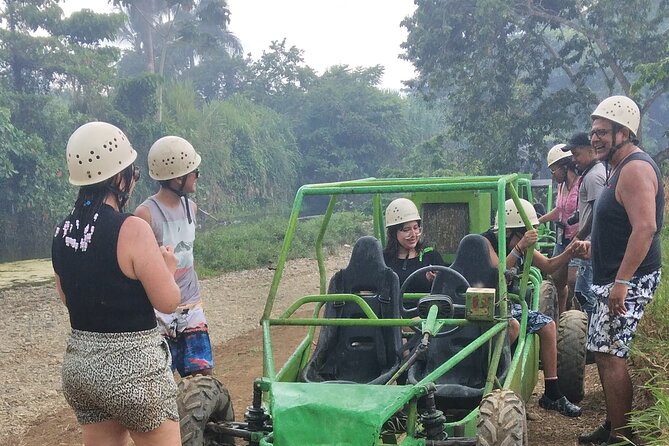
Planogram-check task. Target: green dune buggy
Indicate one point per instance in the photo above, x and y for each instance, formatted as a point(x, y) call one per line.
point(371, 370)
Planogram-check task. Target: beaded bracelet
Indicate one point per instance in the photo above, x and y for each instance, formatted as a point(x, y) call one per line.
point(623, 282)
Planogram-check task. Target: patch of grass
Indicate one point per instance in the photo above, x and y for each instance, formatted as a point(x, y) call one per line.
point(651, 424)
point(258, 243)
point(651, 359)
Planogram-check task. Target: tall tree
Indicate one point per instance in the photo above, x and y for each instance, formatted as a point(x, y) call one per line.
point(346, 127)
point(520, 74)
point(184, 40)
point(52, 70)
point(279, 74)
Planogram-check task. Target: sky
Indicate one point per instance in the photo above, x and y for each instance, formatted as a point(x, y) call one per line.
point(352, 32)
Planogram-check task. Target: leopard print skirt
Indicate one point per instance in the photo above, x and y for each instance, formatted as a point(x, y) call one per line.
point(124, 377)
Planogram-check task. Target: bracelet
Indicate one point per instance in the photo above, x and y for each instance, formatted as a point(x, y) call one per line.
point(623, 282)
point(513, 253)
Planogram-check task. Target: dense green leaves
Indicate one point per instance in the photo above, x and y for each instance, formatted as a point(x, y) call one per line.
point(518, 75)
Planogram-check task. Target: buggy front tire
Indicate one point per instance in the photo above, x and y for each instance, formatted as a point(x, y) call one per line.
point(202, 399)
point(571, 355)
point(501, 420)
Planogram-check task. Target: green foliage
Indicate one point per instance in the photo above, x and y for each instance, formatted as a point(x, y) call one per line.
point(279, 76)
point(137, 97)
point(651, 424)
point(437, 156)
point(651, 354)
point(258, 244)
point(34, 191)
point(345, 127)
point(62, 53)
point(186, 41)
point(88, 28)
point(252, 154)
point(514, 75)
point(248, 150)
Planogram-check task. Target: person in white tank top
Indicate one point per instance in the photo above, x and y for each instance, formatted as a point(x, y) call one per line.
point(174, 163)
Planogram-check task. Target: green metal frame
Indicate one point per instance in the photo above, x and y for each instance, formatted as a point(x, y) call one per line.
point(522, 374)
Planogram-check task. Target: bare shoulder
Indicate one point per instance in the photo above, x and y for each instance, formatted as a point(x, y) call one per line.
point(637, 173)
point(135, 228)
point(143, 212)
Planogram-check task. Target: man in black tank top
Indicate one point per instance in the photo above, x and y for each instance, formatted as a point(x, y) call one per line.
point(625, 251)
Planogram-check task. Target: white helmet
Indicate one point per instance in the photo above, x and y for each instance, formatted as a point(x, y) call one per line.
point(513, 219)
point(401, 210)
point(97, 151)
point(556, 153)
point(621, 110)
point(172, 157)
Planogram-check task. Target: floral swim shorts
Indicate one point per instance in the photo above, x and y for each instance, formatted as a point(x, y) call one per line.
point(535, 320)
point(613, 334)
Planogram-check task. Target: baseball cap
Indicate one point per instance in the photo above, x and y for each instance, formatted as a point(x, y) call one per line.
point(577, 140)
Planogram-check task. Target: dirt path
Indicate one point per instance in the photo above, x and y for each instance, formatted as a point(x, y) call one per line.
point(34, 413)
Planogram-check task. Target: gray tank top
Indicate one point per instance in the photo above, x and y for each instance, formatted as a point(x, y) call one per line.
point(171, 227)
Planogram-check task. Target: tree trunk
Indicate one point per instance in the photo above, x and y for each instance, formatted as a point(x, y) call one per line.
point(146, 10)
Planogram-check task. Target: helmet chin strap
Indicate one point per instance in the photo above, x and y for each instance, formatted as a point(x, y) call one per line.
point(180, 193)
point(614, 149)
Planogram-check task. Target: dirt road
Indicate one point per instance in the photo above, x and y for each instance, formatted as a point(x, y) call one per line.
point(34, 413)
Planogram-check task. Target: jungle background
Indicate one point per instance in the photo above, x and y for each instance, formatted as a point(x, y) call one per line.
point(498, 83)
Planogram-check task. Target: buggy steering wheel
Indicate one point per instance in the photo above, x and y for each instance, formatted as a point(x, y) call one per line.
point(454, 282)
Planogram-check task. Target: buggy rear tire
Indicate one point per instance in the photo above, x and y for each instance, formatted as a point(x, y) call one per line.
point(571, 337)
point(501, 420)
point(548, 299)
point(202, 399)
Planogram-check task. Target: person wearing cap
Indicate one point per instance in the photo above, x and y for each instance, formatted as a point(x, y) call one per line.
point(518, 240)
point(174, 163)
point(565, 175)
point(590, 185)
point(405, 250)
point(111, 274)
point(625, 252)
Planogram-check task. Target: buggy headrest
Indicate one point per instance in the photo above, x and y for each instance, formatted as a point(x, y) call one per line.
point(473, 261)
point(367, 253)
point(366, 270)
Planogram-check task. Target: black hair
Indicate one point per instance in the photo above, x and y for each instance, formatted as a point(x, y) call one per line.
point(91, 197)
point(393, 246)
point(579, 139)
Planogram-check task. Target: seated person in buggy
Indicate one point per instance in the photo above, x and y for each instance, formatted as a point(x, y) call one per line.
point(462, 387)
point(405, 250)
point(517, 242)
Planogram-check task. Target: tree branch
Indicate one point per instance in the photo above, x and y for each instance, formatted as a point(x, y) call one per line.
point(618, 73)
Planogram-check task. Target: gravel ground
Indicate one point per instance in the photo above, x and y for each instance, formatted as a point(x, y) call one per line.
point(37, 326)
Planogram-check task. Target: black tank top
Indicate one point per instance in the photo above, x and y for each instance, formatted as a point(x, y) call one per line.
point(99, 296)
point(611, 229)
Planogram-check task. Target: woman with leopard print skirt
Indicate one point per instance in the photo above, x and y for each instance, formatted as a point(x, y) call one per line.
point(111, 274)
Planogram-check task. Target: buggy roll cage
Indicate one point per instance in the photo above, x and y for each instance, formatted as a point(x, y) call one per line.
point(500, 187)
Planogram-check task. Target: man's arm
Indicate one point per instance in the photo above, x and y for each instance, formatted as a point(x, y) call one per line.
point(584, 232)
point(144, 213)
point(636, 191)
